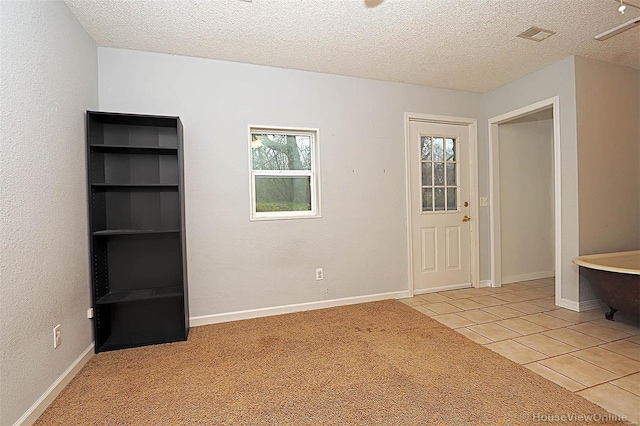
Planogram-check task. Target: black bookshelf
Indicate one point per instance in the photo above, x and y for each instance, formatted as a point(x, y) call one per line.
point(128, 149)
point(137, 232)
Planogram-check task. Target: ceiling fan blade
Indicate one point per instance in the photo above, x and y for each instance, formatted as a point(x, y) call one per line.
point(619, 29)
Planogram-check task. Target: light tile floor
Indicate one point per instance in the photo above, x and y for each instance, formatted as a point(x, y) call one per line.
point(581, 351)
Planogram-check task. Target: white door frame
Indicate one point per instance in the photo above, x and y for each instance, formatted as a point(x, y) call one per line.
point(494, 188)
point(474, 245)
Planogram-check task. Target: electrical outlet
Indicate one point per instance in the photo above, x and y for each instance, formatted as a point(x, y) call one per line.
point(57, 339)
point(90, 313)
point(483, 201)
point(319, 274)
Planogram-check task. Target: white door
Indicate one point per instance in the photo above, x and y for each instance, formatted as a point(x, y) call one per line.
point(439, 184)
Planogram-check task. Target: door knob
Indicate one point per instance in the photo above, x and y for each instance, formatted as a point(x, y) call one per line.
point(466, 218)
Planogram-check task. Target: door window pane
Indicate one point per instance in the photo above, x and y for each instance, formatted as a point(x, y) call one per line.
point(427, 199)
point(438, 149)
point(439, 199)
point(426, 174)
point(451, 149)
point(451, 174)
point(439, 173)
point(426, 148)
point(452, 201)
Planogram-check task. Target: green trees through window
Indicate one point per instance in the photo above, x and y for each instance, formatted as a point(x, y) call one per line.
point(283, 173)
point(439, 174)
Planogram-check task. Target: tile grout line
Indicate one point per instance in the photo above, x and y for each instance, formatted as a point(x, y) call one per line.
point(603, 383)
point(561, 374)
point(548, 356)
point(576, 380)
point(546, 310)
point(626, 390)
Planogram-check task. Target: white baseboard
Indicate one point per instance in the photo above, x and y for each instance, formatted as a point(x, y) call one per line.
point(287, 309)
point(528, 277)
point(586, 305)
point(568, 304)
point(486, 283)
point(38, 407)
point(443, 288)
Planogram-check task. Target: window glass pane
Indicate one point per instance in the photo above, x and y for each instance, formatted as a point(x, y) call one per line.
point(451, 174)
point(426, 148)
point(427, 199)
point(451, 149)
point(283, 194)
point(452, 201)
point(438, 173)
point(438, 149)
point(439, 196)
point(272, 151)
point(426, 174)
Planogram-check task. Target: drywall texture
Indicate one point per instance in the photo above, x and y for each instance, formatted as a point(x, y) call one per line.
point(49, 77)
point(526, 197)
point(555, 80)
point(608, 104)
point(237, 265)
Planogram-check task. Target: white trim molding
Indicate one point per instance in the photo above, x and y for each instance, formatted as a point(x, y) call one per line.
point(442, 288)
point(568, 304)
point(474, 231)
point(527, 277)
point(313, 174)
point(494, 189)
point(288, 309)
point(38, 407)
point(586, 305)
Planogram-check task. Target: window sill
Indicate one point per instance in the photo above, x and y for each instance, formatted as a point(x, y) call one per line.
point(261, 218)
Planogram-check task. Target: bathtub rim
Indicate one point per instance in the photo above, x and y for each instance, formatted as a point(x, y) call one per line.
point(591, 261)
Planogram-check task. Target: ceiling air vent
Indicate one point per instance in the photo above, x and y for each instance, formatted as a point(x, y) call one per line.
point(536, 34)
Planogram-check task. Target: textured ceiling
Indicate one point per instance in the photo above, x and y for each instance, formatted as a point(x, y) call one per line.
point(458, 44)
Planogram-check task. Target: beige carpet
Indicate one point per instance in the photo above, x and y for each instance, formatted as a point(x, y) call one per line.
point(373, 363)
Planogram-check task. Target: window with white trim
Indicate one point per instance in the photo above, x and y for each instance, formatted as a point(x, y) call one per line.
point(284, 173)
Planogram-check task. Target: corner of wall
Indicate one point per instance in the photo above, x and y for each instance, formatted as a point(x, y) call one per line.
point(52, 64)
point(557, 79)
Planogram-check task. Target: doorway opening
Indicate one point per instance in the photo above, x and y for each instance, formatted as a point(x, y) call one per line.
point(524, 170)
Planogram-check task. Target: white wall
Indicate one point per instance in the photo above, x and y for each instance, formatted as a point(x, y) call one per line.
point(526, 197)
point(608, 102)
point(608, 105)
point(49, 77)
point(237, 265)
point(48, 80)
point(555, 80)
